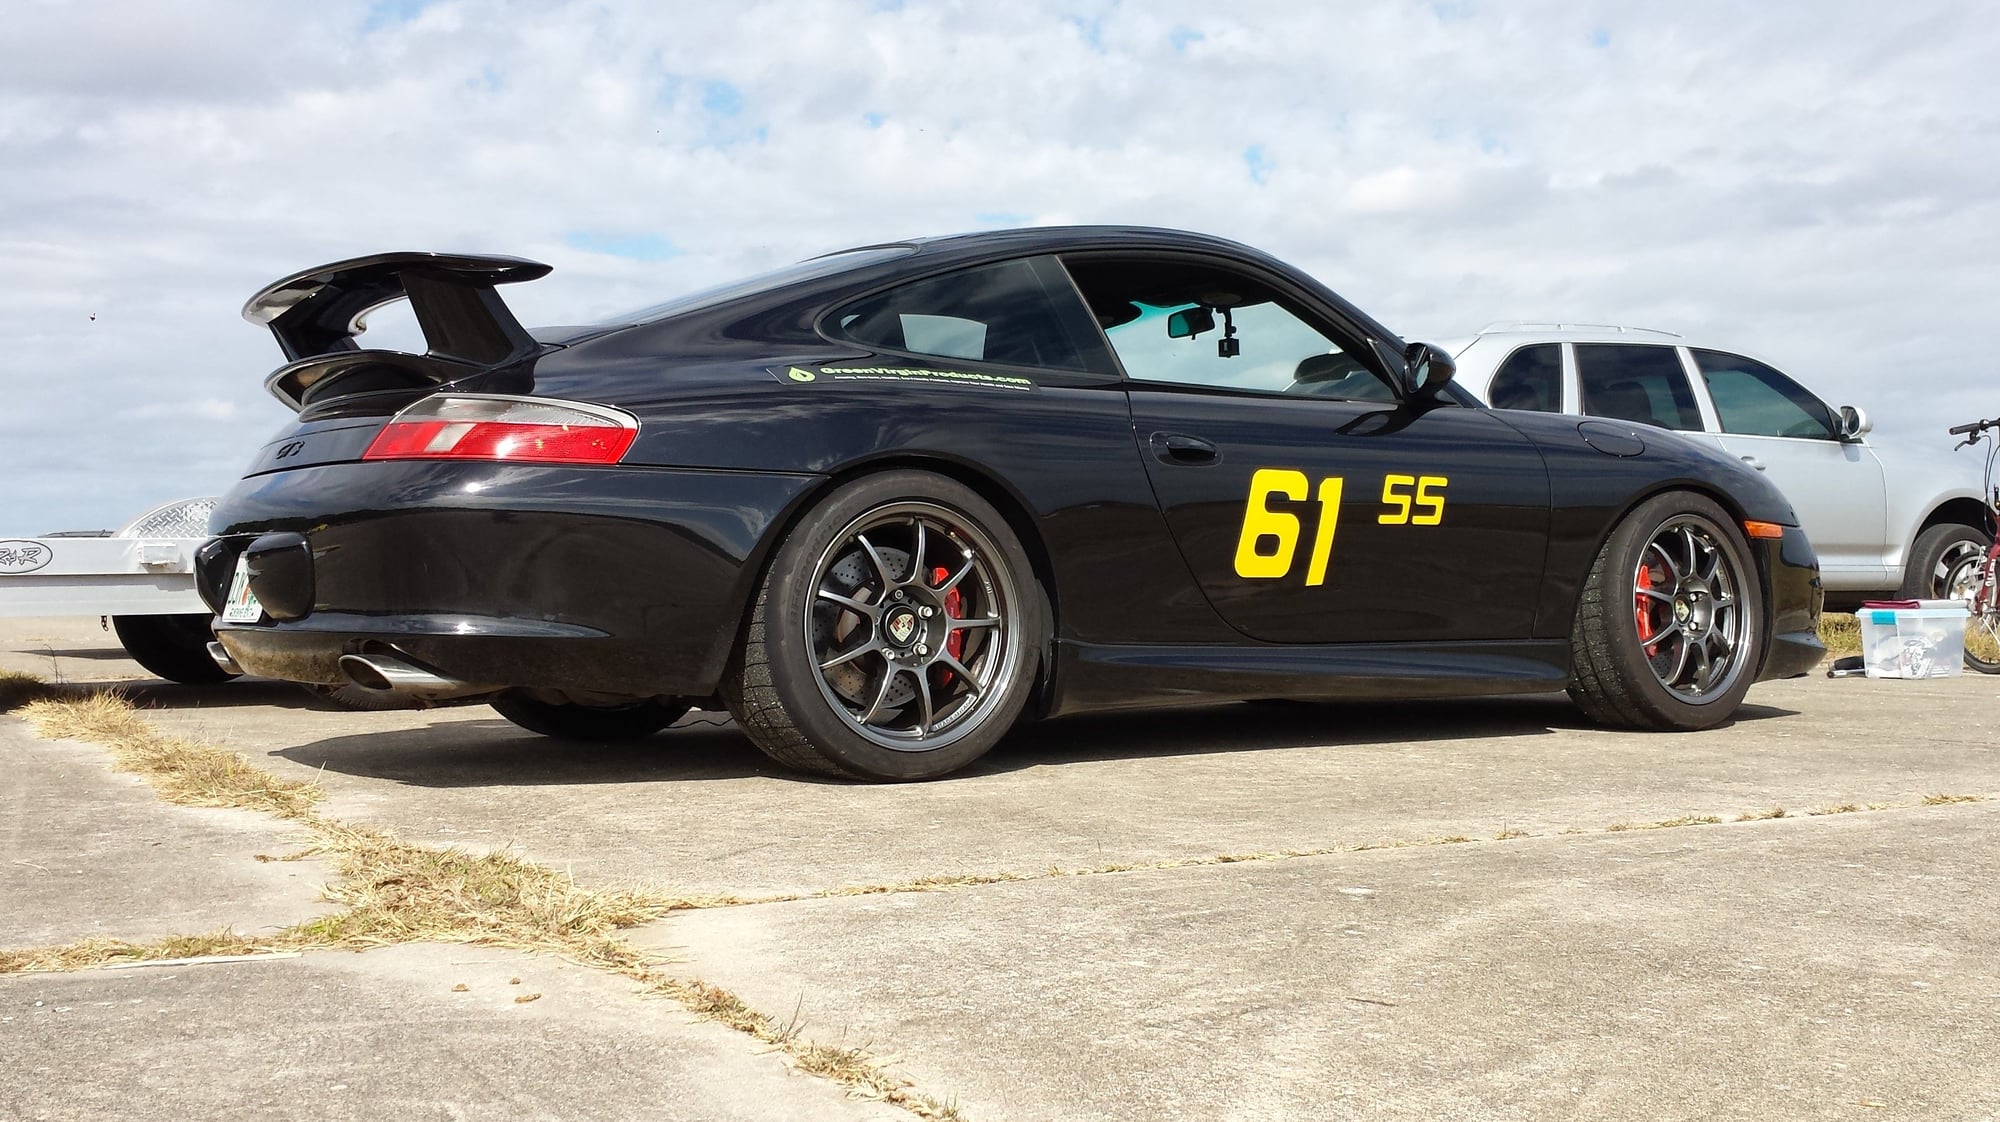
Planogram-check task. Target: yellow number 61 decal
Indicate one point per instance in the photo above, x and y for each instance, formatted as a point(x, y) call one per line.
point(1270, 538)
point(1429, 506)
point(1281, 528)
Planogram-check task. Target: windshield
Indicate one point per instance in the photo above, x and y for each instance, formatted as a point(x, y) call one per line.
point(813, 269)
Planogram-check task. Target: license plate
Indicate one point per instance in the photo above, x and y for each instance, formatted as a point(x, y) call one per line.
point(242, 605)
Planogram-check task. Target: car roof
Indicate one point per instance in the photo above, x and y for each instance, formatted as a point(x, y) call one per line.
point(1063, 239)
point(1558, 332)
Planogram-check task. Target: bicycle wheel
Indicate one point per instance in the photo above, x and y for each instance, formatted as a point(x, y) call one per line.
point(1967, 581)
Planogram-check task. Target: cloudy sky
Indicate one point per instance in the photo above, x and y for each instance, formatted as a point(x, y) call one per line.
point(1815, 183)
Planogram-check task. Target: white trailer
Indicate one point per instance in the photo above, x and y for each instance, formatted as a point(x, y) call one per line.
point(140, 580)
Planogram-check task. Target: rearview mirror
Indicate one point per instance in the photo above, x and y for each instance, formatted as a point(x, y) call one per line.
point(1426, 370)
point(1853, 422)
point(1190, 322)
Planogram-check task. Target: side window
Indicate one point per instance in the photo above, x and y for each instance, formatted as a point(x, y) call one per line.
point(1755, 400)
point(1023, 313)
point(1634, 383)
point(1531, 378)
point(1198, 324)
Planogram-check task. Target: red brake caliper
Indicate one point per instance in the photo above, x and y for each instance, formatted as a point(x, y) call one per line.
point(1644, 610)
point(954, 644)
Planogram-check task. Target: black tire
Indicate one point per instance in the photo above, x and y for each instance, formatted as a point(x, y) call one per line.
point(568, 721)
point(174, 647)
point(831, 631)
point(1664, 682)
point(1937, 559)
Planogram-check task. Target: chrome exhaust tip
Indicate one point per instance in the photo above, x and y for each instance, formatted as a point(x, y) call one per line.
point(223, 659)
point(386, 673)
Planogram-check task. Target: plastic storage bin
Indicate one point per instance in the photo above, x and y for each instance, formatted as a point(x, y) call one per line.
point(1927, 641)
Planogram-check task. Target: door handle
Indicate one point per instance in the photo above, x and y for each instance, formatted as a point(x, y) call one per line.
point(1753, 462)
point(1180, 448)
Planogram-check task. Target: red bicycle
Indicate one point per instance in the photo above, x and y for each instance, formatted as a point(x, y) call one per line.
point(1970, 575)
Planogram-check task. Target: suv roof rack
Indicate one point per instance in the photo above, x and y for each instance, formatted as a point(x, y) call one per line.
point(1540, 325)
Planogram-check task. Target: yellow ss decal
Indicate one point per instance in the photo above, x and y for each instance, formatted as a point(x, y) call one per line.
point(1431, 505)
point(1269, 541)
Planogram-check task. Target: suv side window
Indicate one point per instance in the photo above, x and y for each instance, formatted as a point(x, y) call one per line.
point(1531, 378)
point(1022, 313)
point(1636, 383)
point(1754, 400)
point(1193, 322)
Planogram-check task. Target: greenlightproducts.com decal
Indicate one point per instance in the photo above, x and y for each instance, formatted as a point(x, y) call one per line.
point(914, 375)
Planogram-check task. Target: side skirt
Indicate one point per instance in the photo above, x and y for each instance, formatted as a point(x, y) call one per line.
point(1096, 676)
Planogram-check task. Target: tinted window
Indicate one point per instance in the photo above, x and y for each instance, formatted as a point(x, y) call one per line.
point(1755, 400)
point(1195, 323)
point(1632, 383)
point(1023, 313)
point(1531, 378)
point(814, 269)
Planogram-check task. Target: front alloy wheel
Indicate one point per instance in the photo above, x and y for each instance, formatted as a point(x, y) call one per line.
point(1686, 608)
point(1669, 631)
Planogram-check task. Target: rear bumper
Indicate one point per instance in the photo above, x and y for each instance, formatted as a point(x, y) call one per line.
point(1795, 595)
point(626, 581)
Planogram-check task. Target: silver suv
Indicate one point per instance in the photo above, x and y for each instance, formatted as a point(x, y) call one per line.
point(1885, 517)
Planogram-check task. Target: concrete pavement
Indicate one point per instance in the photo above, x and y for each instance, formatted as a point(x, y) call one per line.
point(1799, 968)
point(1830, 966)
point(382, 1035)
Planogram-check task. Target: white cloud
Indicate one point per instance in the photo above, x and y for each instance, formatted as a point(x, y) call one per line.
point(1809, 182)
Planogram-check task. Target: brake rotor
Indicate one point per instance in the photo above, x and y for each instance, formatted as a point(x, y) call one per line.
point(854, 575)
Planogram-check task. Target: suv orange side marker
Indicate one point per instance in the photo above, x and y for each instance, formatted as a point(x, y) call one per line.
point(1763, 529)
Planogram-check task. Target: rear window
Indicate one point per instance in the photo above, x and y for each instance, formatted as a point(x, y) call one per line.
point(1636, 383)
point(813, 269)
point(1019, 313)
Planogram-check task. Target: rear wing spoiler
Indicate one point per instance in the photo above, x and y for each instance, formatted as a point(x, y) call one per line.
point(316, 314)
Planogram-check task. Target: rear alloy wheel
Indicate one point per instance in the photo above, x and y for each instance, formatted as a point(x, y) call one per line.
point(1670, 629)
point(569, 721)
point(895, 634)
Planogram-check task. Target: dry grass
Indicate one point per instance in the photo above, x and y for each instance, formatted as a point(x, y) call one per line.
point(1665, 823)
point(105, 952)
point(1947, 800)
point(1841, 633)
point(1761, 815)
point(189, 772)
point(850, 1067)
point(17, 689)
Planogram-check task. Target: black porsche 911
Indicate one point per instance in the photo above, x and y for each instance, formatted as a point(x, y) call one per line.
point(885, 503)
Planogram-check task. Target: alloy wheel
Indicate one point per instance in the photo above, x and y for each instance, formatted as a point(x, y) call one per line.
point(912, 625)
point(1686, 602)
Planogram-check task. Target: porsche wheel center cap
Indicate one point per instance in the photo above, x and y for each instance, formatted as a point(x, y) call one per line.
point(901, 626)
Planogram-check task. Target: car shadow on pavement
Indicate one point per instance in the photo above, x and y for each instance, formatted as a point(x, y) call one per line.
point(495, 753)
point(242, 693)
point(91, 654)
point(707, 746)
point(1277, 725)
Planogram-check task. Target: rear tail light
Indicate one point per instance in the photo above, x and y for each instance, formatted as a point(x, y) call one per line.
point(513, 429)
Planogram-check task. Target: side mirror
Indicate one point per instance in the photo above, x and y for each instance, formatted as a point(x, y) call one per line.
point(1190, 322)
point(1426, 370)
point(1853, 423)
